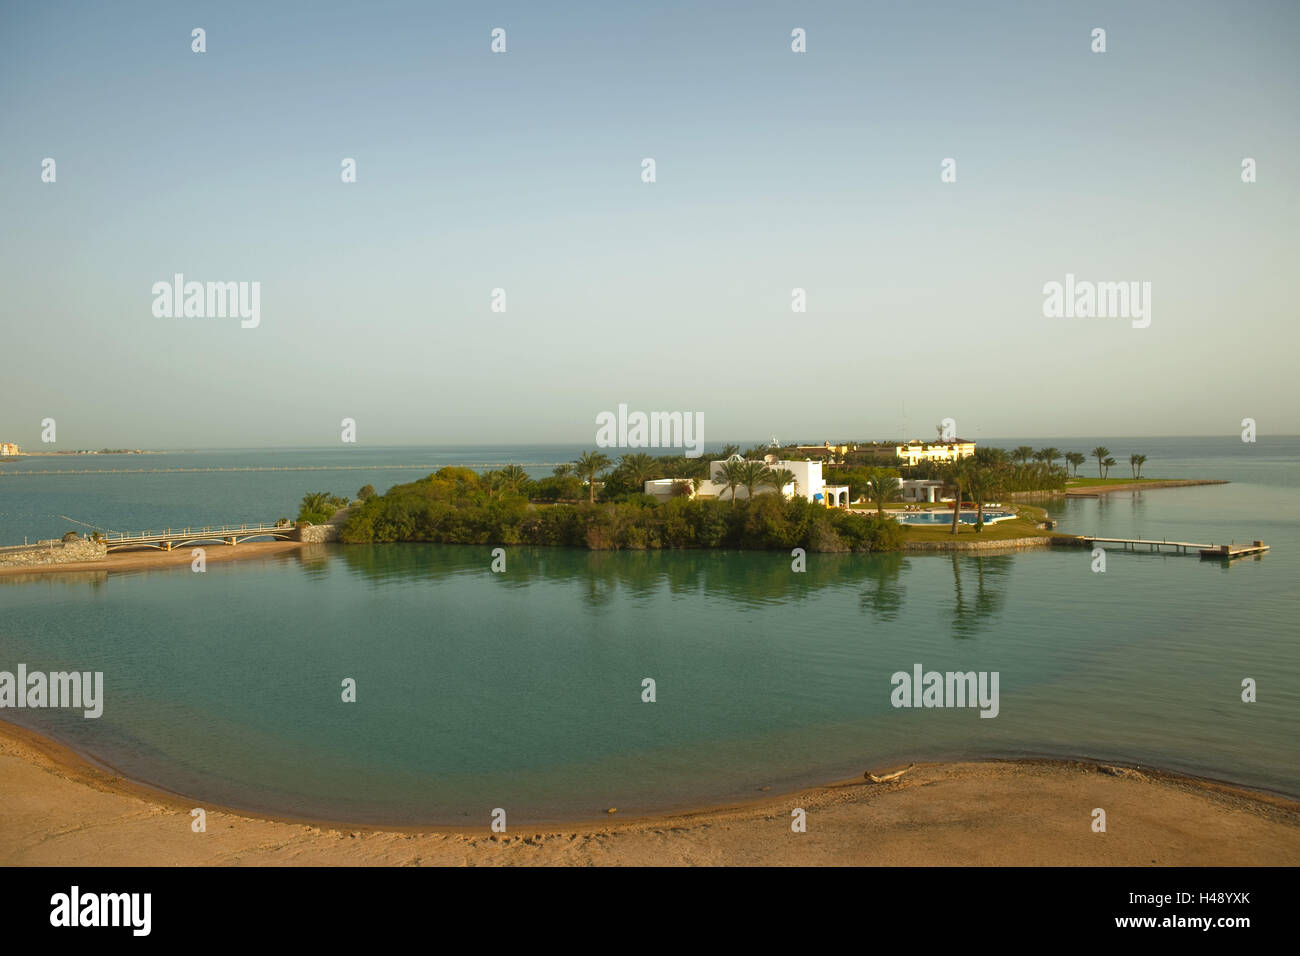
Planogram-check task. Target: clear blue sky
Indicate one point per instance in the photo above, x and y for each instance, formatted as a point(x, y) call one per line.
point(522, 171)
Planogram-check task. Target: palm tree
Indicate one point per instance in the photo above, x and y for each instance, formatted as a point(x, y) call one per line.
point(562, 471)
point(1050, 455)
point(317, 500)
point(778, 478)
point(1100, 452)
point(1040, 455)
point(984, 483)
point(1137, 461)
point(1022, 453)
point(728, 474)
point(587, 466)
point(316, 503)
point(1109, 463)
point(752, 474)
point(1075, 459)
point(728, 451)
point(512, 476)
point(882, 487)
point(492, 481)
point(977, 488)
point(639, 468)
point(957, 474)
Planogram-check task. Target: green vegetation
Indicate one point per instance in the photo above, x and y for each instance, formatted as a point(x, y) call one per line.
point(598, 504)
point(1100, 453)
point(1007, 530)
point(1101, 482)
point(589, 465)
point(1014, 472)
point(861, 480)
point(319, 506)
point(1024, 525)
point(456, 506)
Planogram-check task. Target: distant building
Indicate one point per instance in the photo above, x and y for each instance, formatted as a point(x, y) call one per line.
point(666, 488)
point(9, 448)
point(917, 450)
point(916, 491)
point(808, 484)
point(824, 450)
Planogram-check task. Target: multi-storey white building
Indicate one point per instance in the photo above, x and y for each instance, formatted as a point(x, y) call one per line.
point(917, 450)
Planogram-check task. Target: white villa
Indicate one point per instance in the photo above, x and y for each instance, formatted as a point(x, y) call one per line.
point(808, 484)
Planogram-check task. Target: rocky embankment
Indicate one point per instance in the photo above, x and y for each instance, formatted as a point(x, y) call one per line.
point(54, 552)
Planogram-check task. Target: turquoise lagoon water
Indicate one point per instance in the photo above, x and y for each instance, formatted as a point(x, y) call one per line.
point(523, 690)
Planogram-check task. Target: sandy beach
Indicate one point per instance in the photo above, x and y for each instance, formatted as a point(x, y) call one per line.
point(145, 560)
point(61, 810)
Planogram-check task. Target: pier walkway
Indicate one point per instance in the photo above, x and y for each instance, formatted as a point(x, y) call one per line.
point(1228, 551)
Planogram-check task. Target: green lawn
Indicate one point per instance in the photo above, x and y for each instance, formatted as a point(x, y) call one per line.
point(1092, 482)
point(1024, 526)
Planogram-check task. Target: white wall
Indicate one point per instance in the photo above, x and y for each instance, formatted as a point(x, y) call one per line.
point(808, 478)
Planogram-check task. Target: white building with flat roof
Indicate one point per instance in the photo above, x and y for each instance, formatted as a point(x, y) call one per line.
point(807, 484)
point(918, 490)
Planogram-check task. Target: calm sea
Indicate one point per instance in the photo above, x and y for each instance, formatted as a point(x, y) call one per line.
point(522, 690)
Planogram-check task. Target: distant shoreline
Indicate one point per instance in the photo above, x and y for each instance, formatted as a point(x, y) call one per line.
point(1092, 491)
point(88, 451)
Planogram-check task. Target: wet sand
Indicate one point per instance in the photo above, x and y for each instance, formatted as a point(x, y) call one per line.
point(61, 810)
point(143, 560)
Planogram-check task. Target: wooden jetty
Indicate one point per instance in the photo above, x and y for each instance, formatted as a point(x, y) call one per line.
point(1225, 551)
point(1230, 551)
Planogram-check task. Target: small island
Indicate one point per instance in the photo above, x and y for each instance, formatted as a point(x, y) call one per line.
point(846, 498)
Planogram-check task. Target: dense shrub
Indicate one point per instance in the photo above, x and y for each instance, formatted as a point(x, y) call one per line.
point(453, 507)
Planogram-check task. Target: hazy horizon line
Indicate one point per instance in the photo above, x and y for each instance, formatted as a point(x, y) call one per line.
point(662, 449)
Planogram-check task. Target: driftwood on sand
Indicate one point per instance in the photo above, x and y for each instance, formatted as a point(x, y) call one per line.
point(889, 776)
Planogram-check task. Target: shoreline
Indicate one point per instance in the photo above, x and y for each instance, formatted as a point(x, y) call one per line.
point(1093, 491)
point(62, 808)
point(145, 560)
point(180, 558)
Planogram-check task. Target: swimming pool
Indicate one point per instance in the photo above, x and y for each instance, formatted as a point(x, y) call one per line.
point(945, 517)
